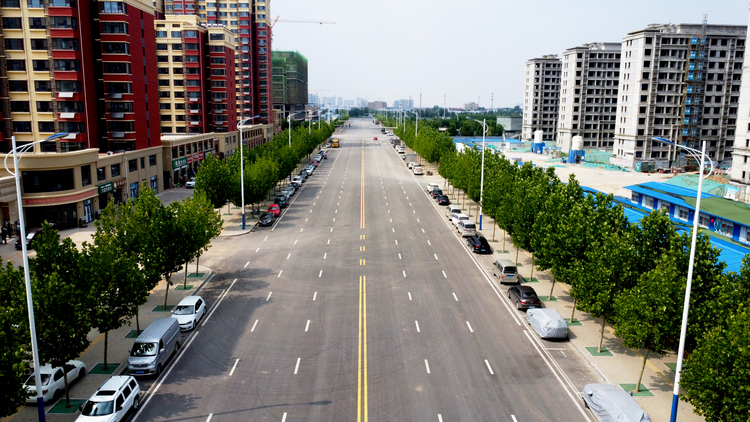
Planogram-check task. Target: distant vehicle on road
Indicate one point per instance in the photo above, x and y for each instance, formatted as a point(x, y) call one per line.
point(335, 143)
point(190, 184)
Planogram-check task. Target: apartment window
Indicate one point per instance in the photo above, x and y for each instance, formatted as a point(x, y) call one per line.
point(117, 67)
point(120, 107)
point(164, 94)
point(217, 60)
point(46, 127)
point(119, 88)
point(703, 220)
point(132, 165)
point(114, 28)
point(16, 65)
point(177, 46)
point(177, 59)
point(67, 86)
point(67, 65)
point(62, 3)
point(18, 86)
point(38, 44)
point(114, 170)
point(10, 3)
point(12, 23)
point(634, 197)
point(44, 106)
point(191, 34)
point(63, 22)
point(191, 46)
point(218, 84)
point(115, 48)
point(35, 3)
point(43, 86)
point(192, 59)
point(101, 174)
point(161, 34)
point(217, 48)
point(19, 106)
point(113, 7)
point(40, 65)
point(121, 126)
point(683, 213)
point(176, 34)
point(161, 46)
point(70, 106)
point(152, 160)
point(218, 72)
point(648, 202)
point(21, 126)
point(13, 44)
point(64, 44)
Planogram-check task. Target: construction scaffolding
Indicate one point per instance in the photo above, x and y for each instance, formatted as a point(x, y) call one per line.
point(289, 80)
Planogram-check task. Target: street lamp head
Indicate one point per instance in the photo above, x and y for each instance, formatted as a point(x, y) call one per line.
point(57, 136)
point(660, 139)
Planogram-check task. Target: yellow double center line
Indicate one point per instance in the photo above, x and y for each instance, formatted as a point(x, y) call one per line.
point(362, 414)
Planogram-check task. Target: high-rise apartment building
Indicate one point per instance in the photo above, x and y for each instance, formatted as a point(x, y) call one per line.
point(85, 69)
point(404, 104)
point(680, 82)
point(588, 95)
point(196, 76)
point(541, 96)
point(249, 21)
point(289, 81)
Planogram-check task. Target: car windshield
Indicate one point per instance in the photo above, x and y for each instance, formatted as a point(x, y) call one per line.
point(144, 349)
point(184, 310)
point(528, 295)
point(32, 382)
point(97, 408)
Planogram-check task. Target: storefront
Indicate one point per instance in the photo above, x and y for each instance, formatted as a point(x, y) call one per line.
point(179, 170)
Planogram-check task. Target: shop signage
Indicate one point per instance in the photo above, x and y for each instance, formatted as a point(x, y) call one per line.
point(179, 162)
point(107, 187)
point(60, 199)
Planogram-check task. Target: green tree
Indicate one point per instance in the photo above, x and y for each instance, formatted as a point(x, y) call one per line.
point(60, 311)
point(173, 240)
point(648, 315)
point(14, 339)
point(715, 375)
point(214, 181)
point(115, 285)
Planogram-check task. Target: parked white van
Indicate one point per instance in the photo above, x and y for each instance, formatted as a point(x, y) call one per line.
point(156, 344)
point(466, 228)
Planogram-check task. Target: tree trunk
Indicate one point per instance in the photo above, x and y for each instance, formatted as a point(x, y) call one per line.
point(552, 288)
point(137, 322)
point(601, 336)
point(517, 249)
point(184, 282)
point(229, 207)
point(197, 261)
point(572, 314)
point(166, 293)
point(494, 226)
point(106, 337)
point(531, 277)
point(504, 232)
point(640, 377)
point(67, 394)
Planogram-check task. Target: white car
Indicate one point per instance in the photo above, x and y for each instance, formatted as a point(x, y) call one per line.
point(417, 170)
point(297, 181)
point(189, 312)
point(431, 186)
point(400, 150)
point(455, 218)
point(190, 183)
point(112, 401)
point(53, 381)
point(410, 164)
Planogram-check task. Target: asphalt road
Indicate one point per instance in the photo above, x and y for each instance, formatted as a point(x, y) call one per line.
point(362, 303)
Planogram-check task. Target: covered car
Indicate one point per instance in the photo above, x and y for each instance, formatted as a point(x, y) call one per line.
point(611, 404)
point(547, 323)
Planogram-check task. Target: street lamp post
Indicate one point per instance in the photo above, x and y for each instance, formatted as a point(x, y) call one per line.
point(25, 253)
point(290, 125)
point(242, 169)
point(481, 185)
point(686, 306)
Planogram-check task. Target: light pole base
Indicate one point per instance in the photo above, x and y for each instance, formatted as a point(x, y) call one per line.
point(675, 403)
point(480, 220)
point(40, 408)
point(243, 219)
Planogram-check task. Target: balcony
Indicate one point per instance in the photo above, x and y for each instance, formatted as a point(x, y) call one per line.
point(117, 115)
point(118, 134)
point(115, 95)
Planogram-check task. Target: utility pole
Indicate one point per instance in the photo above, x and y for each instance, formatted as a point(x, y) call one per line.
point(492, 102)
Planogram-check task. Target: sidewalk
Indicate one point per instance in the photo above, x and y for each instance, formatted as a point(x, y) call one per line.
point(617, 364)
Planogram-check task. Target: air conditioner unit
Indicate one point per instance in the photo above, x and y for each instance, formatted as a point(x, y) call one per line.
point(109, 152)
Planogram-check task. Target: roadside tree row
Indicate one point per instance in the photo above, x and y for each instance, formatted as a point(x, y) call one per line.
point(631, 275)
point(98, 285)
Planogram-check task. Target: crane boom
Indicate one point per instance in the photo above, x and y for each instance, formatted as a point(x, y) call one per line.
point(300, 21)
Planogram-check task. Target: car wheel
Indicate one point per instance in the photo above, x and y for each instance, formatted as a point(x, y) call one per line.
point(136, 402)
point(177, 345)
point(518, 306)
point(56, 395)
point(158, 370)
point(508, 294)
point(81, 374)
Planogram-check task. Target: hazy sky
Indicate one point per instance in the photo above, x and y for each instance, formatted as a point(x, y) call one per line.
point(463, 49)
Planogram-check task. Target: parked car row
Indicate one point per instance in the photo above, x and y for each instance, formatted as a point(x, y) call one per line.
point(282, 200)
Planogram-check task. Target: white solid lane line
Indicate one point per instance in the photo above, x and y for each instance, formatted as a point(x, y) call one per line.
point(269, 296)
point(427, 366)
point(234, 367)
point(307, 325)
point(514, 418)
point(256, 251)
point(417, 323)
point(470, 329)
point(489, 367)
point(428, 242)
point(254, 324)
point(325, 254)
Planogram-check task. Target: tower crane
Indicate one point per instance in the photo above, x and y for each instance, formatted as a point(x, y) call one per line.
point(299, 21)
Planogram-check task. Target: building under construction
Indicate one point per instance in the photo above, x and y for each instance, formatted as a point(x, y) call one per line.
point(289, 81)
